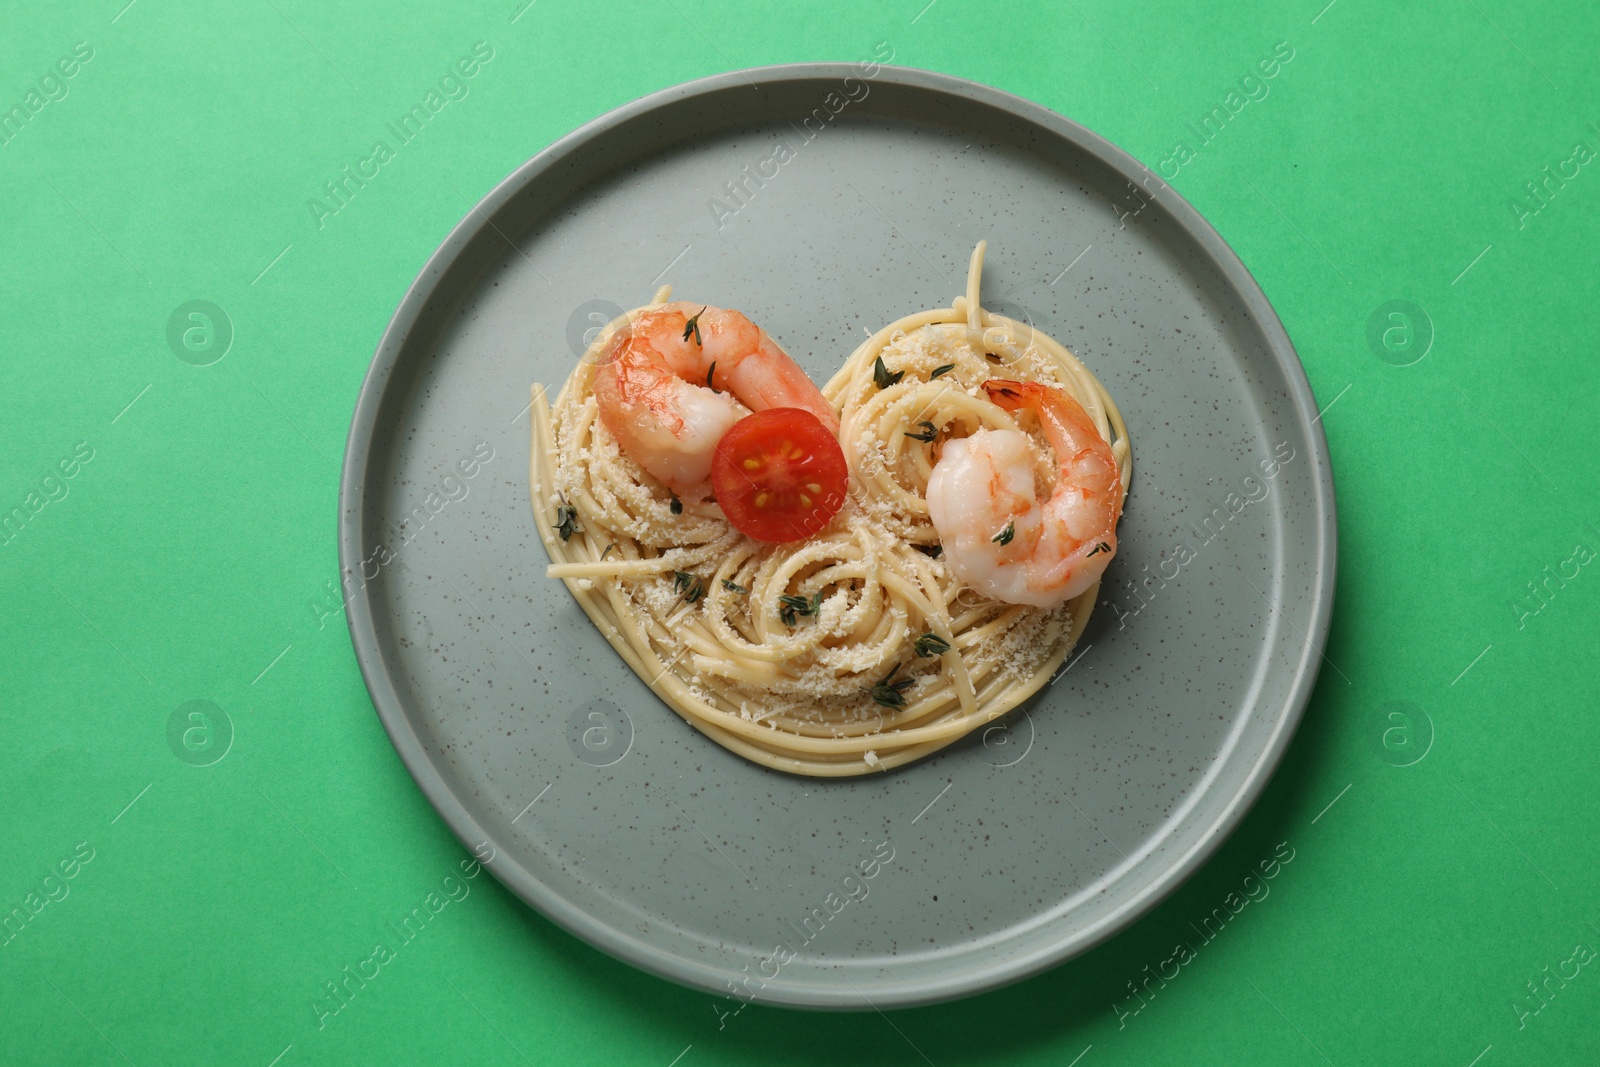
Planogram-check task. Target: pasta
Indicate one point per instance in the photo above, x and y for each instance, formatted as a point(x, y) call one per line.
point(855, 650)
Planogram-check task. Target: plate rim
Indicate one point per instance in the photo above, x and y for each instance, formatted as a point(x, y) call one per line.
point(357, 469)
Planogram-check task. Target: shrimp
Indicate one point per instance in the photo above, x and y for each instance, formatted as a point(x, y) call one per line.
point(679, 375)
point(998, 537)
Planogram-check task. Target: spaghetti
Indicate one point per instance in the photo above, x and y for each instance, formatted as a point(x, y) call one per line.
point(852, 651)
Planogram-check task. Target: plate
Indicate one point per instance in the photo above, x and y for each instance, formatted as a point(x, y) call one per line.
point(825, 200)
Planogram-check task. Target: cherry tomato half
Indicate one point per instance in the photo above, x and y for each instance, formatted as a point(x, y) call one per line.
point(779, 474)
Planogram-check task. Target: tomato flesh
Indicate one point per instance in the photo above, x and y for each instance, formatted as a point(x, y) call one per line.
point(779, 475)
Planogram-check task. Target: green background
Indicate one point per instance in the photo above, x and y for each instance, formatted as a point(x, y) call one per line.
point(193, 557)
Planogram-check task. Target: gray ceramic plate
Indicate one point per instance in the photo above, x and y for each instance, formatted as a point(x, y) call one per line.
point(1018, 848)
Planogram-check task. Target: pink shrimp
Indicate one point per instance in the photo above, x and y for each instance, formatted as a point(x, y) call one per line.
point(673, 381)
point(997, 536)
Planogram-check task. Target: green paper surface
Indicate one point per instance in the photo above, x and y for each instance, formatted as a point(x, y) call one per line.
point(185, 728)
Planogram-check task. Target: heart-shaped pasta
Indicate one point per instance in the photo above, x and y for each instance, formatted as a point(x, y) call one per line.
point(897, 627)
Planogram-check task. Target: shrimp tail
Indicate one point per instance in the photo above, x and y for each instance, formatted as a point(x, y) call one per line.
point(1012, 396)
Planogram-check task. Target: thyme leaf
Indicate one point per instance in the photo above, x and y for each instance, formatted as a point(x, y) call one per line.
point(941, 371)
point(1101, 547)
point(688, 585)
point(881, 375)
point(692, 327)
point(929, 432)
point(676, 507)
point(1004, 536)
point(792, 607)
point(888, 696)
point(734, 587)
point(567, 522)
point(709, 373)
point(888, 693)
point(930, 645)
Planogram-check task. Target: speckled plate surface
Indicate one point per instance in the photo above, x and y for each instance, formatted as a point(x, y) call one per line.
point(1001, 856)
